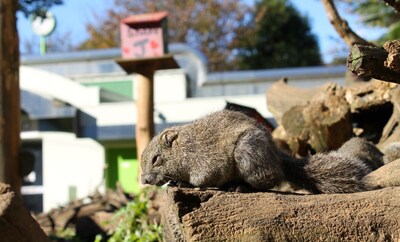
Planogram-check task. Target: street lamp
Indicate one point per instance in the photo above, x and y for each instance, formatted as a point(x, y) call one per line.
point(43, 25)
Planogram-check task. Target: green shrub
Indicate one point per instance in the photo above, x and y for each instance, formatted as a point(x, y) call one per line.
point(133, 223)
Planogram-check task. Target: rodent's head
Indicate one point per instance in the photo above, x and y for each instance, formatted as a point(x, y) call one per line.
point(158, 162)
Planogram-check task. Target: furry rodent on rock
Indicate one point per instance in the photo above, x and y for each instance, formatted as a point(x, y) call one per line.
point(228, 148)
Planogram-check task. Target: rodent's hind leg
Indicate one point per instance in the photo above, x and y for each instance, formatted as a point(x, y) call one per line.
point(257, 160)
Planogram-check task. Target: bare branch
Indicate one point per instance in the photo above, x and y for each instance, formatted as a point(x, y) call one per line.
point(341, 26)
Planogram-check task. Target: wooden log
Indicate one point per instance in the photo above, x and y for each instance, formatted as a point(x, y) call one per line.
point(16, 223)
point(87, 211)
point(281, 97)
point(393, 60)
point(324, 123)
point(369, 95)
point(392, 46)
point(192, 215)
point(371, 107)
point(311, 119)
point(62, 218)
point(391, 131)
point(329, 121)
point(296, 131)
point(385, 176)
point(369, 61)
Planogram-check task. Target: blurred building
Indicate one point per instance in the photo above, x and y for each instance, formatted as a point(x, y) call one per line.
point(79, 113)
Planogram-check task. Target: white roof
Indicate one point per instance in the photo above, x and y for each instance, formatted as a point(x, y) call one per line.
point(54, 86)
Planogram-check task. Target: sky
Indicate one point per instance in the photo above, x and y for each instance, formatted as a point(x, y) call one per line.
point(74, 14)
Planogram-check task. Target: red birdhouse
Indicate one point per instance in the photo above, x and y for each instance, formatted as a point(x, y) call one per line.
point(144, 35)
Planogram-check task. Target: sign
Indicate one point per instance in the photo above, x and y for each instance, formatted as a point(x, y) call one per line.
point(144, 36)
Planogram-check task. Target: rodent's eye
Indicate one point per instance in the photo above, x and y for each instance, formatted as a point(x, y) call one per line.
point(157, 160)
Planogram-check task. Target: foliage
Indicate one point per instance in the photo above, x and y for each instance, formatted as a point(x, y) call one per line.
point(133, 224)
point(377, 14)
point(211, 26)
point(282, 38)
point(38, 7)
point(55, 42)
point(222, 29)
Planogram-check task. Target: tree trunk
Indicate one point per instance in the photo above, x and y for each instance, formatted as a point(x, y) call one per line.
point(9, 93)
point(192, 215)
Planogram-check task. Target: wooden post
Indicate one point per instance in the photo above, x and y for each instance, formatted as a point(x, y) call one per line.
point(145, 116)
point(145, 69)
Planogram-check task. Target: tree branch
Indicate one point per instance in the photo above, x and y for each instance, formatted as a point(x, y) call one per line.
point(341, 26)
point(393, 3)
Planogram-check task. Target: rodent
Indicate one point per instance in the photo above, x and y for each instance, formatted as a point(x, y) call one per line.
point(228, 147)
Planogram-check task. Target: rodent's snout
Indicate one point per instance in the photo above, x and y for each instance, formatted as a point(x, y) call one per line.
point(149, 178)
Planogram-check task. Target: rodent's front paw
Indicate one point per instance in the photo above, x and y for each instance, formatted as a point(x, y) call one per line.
point(179, 184)
point(237, 187)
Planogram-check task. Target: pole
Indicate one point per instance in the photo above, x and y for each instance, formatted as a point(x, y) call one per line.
point(145, 69)
point(145, 117)
point(42, 45)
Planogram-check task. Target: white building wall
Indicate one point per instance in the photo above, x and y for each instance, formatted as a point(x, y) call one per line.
point(69, 161)
point(169, 85)
point(112, 114)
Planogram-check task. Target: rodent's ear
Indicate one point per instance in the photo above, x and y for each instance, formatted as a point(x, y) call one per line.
point(168, 137)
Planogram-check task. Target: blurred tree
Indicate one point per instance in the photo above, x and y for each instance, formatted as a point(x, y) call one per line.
point(9, 95)
point(38, 7)
point(55, 42)
point(9, 86)
point(211, 26)
point(282, 38)
point(377, 13)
